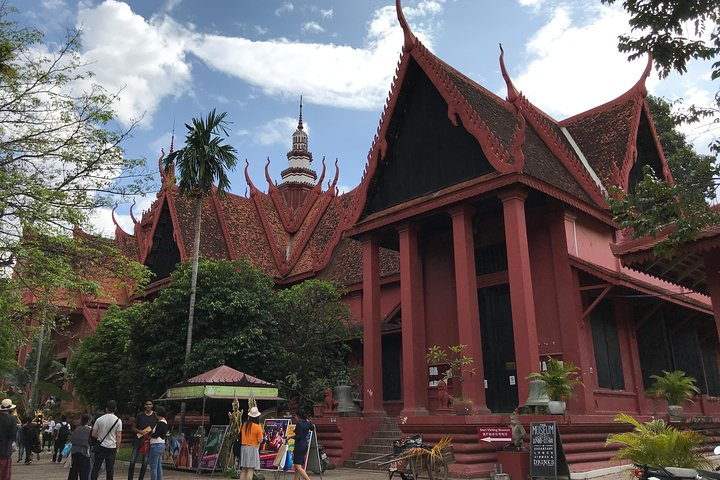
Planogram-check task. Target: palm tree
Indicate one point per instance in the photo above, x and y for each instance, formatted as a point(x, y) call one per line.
point(203, 161)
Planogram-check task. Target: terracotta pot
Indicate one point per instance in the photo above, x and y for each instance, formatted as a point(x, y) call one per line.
point(462, 407)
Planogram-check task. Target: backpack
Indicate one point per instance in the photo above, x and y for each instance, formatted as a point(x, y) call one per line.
point(64, 432)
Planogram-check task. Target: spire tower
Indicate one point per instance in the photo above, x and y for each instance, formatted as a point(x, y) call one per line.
point(299, 171)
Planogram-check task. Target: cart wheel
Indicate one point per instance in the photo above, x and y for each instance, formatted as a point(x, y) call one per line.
point(438, 470)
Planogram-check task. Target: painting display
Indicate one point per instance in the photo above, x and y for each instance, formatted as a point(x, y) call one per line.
point(276, 432)
point(213, 444)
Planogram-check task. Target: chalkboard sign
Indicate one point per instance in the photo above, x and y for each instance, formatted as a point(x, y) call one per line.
point(547, 457)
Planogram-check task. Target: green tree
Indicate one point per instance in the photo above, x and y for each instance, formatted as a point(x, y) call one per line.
point(100, 368)
point(203, 161)
point(655, 204)
point(676, 32)
point(241, 322)
point(236, 325)
point(318, 327)
point(60, 158)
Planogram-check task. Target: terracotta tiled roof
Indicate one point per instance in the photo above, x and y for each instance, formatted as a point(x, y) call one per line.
point(226, 375)
point(604, 137)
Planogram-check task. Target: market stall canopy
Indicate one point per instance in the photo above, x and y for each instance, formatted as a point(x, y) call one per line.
point(222, 382)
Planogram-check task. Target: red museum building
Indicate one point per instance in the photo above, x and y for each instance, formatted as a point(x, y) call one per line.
point(479, 220)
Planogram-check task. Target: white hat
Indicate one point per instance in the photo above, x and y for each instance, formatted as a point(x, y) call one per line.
point(254, 412)
point(6, 405)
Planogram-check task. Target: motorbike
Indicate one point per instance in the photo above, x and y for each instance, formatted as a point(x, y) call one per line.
point(647, 472)
point(325, 461)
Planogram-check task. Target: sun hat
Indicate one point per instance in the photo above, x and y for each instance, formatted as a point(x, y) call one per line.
point(6, 405)
point(254, 412)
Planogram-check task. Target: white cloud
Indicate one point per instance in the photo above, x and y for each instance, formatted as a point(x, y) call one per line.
point(144, 60)
point(278, 131)
point(312, 27)
point(327, 13)
point(597, 73)
point(285, 8)
point(260, 30)
point(336, 75)
point(54, 4)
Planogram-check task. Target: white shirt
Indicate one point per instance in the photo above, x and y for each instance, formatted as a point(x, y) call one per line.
point(102, 427)
point(50, 426)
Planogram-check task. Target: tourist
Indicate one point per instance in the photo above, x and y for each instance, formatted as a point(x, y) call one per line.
point(252, 435)
point(302, 428)
point(145, 421)
point(61, 435)
point(157, 444)
point(47, 438)
point(32, 438)
point(108, 430)
point(8, 425)
point(20, 441)
point(80, 451)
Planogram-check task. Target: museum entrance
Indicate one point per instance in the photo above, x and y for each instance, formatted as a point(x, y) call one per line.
point(498, 346)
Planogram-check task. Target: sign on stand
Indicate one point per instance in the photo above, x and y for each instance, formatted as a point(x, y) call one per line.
point(547, 457)
point(494, 434)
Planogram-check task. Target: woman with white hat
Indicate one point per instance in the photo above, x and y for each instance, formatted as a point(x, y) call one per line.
point(8, 425)
point(252, 435)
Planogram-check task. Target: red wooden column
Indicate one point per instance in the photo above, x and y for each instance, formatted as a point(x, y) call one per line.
point(468, 312)
point(372, 338)
point(712, 273)
point(415, 378)
point(527, 354)
point(572, 326)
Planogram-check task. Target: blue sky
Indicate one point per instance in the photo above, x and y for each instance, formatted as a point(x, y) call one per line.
point(178, 59)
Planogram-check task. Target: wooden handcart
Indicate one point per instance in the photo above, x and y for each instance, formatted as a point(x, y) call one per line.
point(411, 458)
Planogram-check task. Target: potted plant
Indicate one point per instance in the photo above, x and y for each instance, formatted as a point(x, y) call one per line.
point(658, 443)
point(676, 388)
point(457, 365)
point(560, 379)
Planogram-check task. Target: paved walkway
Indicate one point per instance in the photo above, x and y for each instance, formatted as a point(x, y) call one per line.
point(44, 469)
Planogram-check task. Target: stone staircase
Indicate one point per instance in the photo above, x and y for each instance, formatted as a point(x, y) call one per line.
point(379, 443)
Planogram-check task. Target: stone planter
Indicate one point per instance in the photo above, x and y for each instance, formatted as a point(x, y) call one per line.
point(675, 412)
point(556, 407)
point(318, 409)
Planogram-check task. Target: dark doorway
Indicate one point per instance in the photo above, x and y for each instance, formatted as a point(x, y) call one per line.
point(391, 363)
point(498, 345)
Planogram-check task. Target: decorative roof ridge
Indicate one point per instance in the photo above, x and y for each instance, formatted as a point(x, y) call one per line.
point(499, 157)
point(558, 147)
point(220, 212)
point(280, 262)
point(637, 91)
point(253, 190)
point(621, 175)
point(490, 94)
point(321, 261)
point(132, 215)
point(302, 242)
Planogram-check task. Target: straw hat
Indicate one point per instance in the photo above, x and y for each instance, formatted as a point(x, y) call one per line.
point(254, 412)
point(6, 405)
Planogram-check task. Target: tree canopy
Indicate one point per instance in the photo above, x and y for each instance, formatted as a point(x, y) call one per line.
point(60, 159)
point(241, 322)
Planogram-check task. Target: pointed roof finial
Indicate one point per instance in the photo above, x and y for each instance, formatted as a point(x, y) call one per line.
point(172, 139)
point(300, 127)
point(512, 92)
point(410, 39)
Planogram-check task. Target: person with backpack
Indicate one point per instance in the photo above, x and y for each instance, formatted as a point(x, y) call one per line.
point(80, 451)
point(63, 433)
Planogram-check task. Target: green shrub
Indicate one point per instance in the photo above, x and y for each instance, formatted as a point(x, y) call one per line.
point(675, 387)
point(659, 444)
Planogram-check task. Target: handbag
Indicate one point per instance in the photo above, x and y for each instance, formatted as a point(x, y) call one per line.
point(280, 458)
point(145, 446)
point(66, 450)
point(288, 460)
